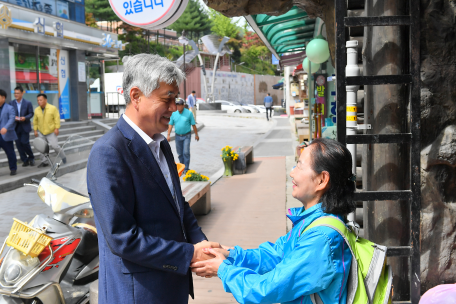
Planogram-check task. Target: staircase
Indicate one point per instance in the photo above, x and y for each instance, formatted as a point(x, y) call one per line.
point(85, 129)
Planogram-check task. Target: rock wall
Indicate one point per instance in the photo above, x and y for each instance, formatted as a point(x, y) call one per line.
point(438, 120)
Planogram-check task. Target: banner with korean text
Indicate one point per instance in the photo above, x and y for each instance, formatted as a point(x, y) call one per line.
point(64, 84)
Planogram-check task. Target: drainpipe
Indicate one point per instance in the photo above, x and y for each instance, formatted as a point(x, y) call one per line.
point(352, 69)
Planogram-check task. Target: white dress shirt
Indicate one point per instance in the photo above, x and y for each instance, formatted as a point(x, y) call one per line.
point(154, 145)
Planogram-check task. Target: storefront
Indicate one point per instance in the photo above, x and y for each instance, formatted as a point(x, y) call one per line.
point(44, 52)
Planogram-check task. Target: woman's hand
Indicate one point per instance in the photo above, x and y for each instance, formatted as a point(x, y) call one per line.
point(210, 267)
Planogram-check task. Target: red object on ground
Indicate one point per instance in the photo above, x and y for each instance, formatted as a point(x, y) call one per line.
point(292, 110)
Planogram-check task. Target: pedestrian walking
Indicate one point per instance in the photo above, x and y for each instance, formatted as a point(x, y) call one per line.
point(147, 232)
point(192, 104)
point(24, 113)
point(183, 120)
point(7, 132)
point(268, 105)
point(46, 124)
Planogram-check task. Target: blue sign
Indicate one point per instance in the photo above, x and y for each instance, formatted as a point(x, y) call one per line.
point(274, 60)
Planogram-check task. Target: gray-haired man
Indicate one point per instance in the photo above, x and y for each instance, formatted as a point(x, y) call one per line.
point(146, 229)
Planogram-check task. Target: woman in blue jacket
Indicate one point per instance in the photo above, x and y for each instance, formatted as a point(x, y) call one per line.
point(301, 267)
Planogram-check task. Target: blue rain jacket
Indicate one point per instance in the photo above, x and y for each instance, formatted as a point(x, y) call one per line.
point(296, 266)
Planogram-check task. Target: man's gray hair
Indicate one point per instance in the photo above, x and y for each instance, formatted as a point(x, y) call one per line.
point(146, 71)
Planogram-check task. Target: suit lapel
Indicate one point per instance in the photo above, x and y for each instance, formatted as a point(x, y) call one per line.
point(139, 147)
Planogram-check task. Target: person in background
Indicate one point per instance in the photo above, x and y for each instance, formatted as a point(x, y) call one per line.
point(46, 124)
point(268, 105)
point(7, 133)
point(183, 119)
point(24, 113)
point(192, 103)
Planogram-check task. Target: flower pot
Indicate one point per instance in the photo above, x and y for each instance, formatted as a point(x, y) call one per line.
point(228, 167)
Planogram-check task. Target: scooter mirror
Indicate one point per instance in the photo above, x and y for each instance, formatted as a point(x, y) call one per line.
point(41, 145)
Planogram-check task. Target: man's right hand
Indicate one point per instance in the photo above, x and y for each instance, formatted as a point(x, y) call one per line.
point(168, 138)
point(3, 131)
point(36, 133)
point(199, 255)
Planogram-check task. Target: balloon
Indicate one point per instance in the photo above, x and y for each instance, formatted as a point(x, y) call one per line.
point(314, 67)
point(317, 50)
point(440, 294)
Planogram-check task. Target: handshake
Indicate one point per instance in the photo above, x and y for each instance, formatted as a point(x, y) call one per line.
point(207, 258)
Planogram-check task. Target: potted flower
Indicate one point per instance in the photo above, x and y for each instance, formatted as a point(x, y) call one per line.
point(193, 176)
point(228, 156)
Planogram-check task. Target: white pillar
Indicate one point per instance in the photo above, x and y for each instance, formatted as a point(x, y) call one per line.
point(352, 69)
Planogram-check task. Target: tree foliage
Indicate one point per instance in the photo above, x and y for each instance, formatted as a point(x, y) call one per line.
point(101, 10)
point(224, 26)
point(194, 20)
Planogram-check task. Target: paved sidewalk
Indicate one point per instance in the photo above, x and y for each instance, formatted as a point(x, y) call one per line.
point(247, 210)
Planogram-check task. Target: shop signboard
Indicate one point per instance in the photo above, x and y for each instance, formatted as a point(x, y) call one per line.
point(64, 84)
point(148, 14)
point(53, 63)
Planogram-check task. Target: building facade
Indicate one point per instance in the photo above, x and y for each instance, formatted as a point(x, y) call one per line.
point(45, 47)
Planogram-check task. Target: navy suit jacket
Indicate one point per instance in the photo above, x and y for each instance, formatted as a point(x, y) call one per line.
point(27, 112)
point(7, 121)
point(145, 244)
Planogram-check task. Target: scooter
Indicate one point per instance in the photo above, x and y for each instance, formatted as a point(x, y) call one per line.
point(53, 260)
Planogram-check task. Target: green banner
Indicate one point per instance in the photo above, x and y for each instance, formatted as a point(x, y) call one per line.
point(28, 62)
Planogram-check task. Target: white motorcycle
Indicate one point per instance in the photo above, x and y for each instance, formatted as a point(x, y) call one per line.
point(53, 260)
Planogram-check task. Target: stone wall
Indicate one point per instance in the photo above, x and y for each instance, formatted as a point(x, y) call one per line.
point(263, 86)
point(438, 121)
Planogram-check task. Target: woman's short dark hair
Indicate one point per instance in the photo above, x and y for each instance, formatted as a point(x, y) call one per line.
point(333, 157)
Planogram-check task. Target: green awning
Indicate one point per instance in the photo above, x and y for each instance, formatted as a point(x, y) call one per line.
point(285, 33)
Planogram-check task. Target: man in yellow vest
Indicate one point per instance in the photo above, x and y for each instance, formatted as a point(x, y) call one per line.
point(46, 124)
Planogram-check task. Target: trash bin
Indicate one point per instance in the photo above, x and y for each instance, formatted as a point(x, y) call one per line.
point(291, 110)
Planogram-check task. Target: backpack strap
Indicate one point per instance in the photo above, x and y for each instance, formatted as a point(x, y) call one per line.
point(339, 226)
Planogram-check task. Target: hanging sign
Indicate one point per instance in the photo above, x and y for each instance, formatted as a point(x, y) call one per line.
point(148, 14)
point(63, 84)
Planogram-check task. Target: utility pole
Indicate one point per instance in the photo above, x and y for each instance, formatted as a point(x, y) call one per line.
point(185, 79)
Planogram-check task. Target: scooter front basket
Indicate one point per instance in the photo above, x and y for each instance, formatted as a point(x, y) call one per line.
point(26, 239)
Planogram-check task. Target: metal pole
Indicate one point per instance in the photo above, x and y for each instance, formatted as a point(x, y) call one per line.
point(309, 95)
point(352, 69)
point(185, 79)
point(204, 80)
point(148, 43)
point(213, 77)
point(37, 58)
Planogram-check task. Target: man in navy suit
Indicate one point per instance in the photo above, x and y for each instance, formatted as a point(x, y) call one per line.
point(7, 134)
point(24, 113)
point(147, 233)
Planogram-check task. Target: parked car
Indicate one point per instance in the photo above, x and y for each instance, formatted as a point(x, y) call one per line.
point(250, 107)
point(262, 109)
point(231, 107)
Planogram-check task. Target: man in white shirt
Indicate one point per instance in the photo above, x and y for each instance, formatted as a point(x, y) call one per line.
point(147, 233)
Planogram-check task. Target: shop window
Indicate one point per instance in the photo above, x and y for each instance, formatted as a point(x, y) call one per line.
point(80, 13)
point(63, 9)
point(24, 72)
point(44, 6)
